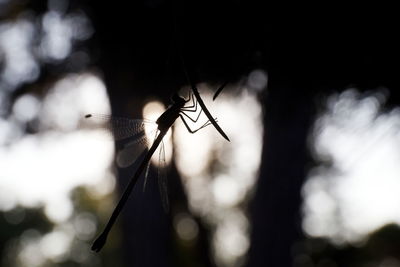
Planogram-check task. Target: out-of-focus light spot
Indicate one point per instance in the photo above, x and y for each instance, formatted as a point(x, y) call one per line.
point(218, 175)
point(226, 191)
point(30, 253)
point(7, 200)
point(15, 216)
point(56, 44)
point(6, 131)
point(60, 31)
point(363, 185)
point(105, 186)
point(44, 168)
point(81, 26)
point(85, 226)
point(9, 131)
point(241, 119)
point(129, 154)
point(29, 235)
point(151, 112)
point(185, 227)
point(47, 174)
point(55, 245)
point(322, 205)
point(26, 107)
point(15, 44)
point(72, 98)
point(80, 254)
point(257, 80)
point(230, 243)
point(59, 211)
point(199, 144)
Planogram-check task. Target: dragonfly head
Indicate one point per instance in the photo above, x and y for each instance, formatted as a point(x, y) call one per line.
point(175, 98)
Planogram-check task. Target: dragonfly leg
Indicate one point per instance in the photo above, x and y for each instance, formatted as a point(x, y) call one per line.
point(219, 90)
point(193, 107)
point(193, 131)
point(193, 99)
point(190, 118)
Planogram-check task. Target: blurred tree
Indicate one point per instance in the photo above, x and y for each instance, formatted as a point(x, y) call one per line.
point(306, 54)
point(40, 43)
point(381, 248)
point(13, 224)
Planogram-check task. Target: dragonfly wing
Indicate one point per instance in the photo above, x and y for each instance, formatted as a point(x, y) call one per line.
point(133, 150)
point(127, 155)
point(130, 134)
point(146, 174)
point(120, 128)
point(162, 179)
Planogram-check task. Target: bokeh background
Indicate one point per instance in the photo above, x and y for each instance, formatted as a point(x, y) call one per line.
point(311, 176)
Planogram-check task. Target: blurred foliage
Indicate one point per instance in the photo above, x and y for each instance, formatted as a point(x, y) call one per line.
point(381, 248)
point(23, 229)
point(14, 223)
point(111, 254)
point(22, 224)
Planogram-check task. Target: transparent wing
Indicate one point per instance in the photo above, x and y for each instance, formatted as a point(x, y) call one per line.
point(120, 128)
point(146, 174)
point(147, 169)
point(162, 178)
point(127, 155)
point(133, 135)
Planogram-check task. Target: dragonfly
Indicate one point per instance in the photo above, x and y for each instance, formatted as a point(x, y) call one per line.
point(177, 109)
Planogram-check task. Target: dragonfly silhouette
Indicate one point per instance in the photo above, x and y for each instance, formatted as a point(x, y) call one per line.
point(177, 109)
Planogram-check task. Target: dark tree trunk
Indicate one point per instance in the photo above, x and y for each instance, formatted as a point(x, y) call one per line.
point(289, 110)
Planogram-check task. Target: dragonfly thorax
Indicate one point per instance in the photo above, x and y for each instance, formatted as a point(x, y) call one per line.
point(166, 119)
point(177, 99)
